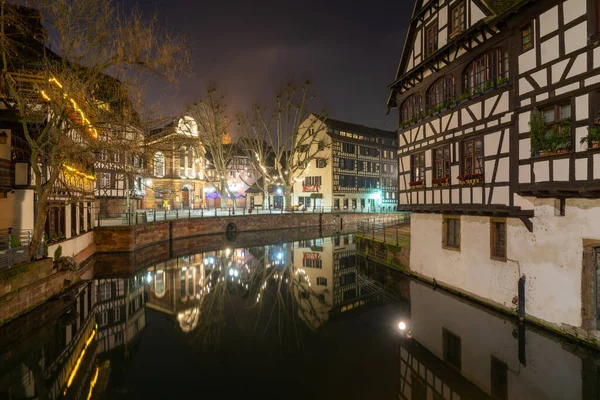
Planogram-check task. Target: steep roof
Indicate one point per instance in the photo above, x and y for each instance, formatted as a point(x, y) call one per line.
point(499, 7)
point(355, 128)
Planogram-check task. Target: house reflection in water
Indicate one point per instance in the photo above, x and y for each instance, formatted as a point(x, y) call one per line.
point(54, 358)
point(120, 311)
point(460, 350)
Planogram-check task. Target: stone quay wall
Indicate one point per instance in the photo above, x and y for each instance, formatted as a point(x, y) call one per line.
point(131, 238)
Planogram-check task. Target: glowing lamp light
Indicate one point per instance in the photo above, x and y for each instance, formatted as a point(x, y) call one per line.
point(279, 256)
point(279, 191)
point(148, 182)
point(402, 326)
point(149, 277)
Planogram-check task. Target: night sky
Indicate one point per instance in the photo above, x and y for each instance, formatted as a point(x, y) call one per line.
point(350, 50)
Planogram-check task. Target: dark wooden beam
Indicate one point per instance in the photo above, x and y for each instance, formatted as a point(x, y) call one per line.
point(527, 221)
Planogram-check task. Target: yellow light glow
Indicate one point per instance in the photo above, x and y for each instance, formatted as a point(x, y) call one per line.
point(92, 384)
point(92, 130)
point(78, 363)
point(78, 172)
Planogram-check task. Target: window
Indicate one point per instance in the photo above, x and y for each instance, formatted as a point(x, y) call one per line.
point(117, 314)
point(321, 281)
point(472, 157)
point(458, 20)
point(158, 193)
point(442, 91)
point(103, 155)
point(336, 206)
point(417, 166)
point(118, 338)
point(346, 164)
point(182, 156)
point(354, 204)
point(321, 163)
point(418, 387)
point(320, 146)
point(115, 157)
point(452, 348)
point(499, 383)
point(486, 71)
point(441, 162)
point(345, 204)
point(527, 36)
point(411, 108)
point(104, 180)
point(312, 181)
point(348, 148)
point(103, 318)
point(451, 232)
point(159, 164)
point(105, 291)
point(498, 239)
point(556, 115)
point(431, 39)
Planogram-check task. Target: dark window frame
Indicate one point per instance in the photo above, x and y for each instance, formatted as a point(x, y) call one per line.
point(489, 67)
point(431, 38)
point(527, 37)
point(462, 19)
point(441, 163)
point(442, 90)
point(498, 239)
point(475, 155)
point(411, 108)
point(417, 167)
point(452, 348)
point(451, 232)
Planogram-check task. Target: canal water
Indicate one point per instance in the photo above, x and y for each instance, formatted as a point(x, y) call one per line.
point(299, 320)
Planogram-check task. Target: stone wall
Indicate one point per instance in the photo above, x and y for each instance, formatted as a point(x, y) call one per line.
point(27, 286)
point(130, 238)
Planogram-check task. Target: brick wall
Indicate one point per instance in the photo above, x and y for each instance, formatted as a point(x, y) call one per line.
point(125, 238)
point(30, 288)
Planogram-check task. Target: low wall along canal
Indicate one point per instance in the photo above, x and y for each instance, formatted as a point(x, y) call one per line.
point(131, 238)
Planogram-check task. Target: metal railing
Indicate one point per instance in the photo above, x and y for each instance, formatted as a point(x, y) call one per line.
point(141, 217)
point(393, 230)
point(14, 248)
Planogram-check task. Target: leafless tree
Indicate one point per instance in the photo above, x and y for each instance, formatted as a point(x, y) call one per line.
point(210, 114)
point(290, 133)
point(63, 103)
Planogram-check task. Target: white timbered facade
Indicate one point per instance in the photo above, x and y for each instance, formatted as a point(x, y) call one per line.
point(498, 105)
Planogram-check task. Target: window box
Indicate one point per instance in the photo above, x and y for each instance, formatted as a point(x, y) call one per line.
point(416, 184)
point(470, 179)
point(440, 182)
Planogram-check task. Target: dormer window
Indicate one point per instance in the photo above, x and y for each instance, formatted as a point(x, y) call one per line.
point(431, 39)
point(458, 21)
point(411, 108)
point(441, 92)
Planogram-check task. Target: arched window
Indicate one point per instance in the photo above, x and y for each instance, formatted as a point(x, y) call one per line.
point(186, 162)
point(442, 91)
point(411, 107)
point(486, 72)
point(159, 164)
point(188, 126)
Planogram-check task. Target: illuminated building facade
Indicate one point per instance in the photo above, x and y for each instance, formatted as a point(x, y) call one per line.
point(355, 168)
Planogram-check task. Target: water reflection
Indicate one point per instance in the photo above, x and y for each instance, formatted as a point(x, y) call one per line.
point(268, 317)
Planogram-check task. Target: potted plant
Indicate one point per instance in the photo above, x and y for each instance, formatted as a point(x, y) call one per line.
point(451, 103)
point(537, 125)
point(488, 86)
point(469, 179)
point(502, 81)
point(464, 96)
point(416, 184)
point(438, 182)
point(592, 139)
point(420, 115)
point(429, 112)
point(438, 108)
point(476, 92)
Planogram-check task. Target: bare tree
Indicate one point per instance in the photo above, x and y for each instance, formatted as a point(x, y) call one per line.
point(63, 103)
point(290, 133)
point(210, 115)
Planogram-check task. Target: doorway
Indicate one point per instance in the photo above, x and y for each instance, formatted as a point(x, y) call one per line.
point(185, 197)
point(277, 202)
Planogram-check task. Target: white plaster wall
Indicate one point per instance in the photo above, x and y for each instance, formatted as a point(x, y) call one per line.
point(16, 210)
point(73, 246)
point(550, 257)
point(551, 371)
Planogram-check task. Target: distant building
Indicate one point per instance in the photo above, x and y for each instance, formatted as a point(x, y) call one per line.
point(356, 170)
point(176, 172)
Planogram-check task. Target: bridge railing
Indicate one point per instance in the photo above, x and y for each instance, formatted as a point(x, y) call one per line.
point(389, 229)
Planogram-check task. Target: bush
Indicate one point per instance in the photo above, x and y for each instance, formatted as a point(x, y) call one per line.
point(58, 253)
point(14, 242)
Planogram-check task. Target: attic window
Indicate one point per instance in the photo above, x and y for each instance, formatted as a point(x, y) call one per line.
point(527, 36)
point(458, 19)
point(431, 39)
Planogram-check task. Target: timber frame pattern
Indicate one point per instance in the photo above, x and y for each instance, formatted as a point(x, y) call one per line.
point(560, 67)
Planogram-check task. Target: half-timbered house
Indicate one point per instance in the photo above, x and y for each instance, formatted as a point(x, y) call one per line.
point(354, 168)
point(498, 161)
